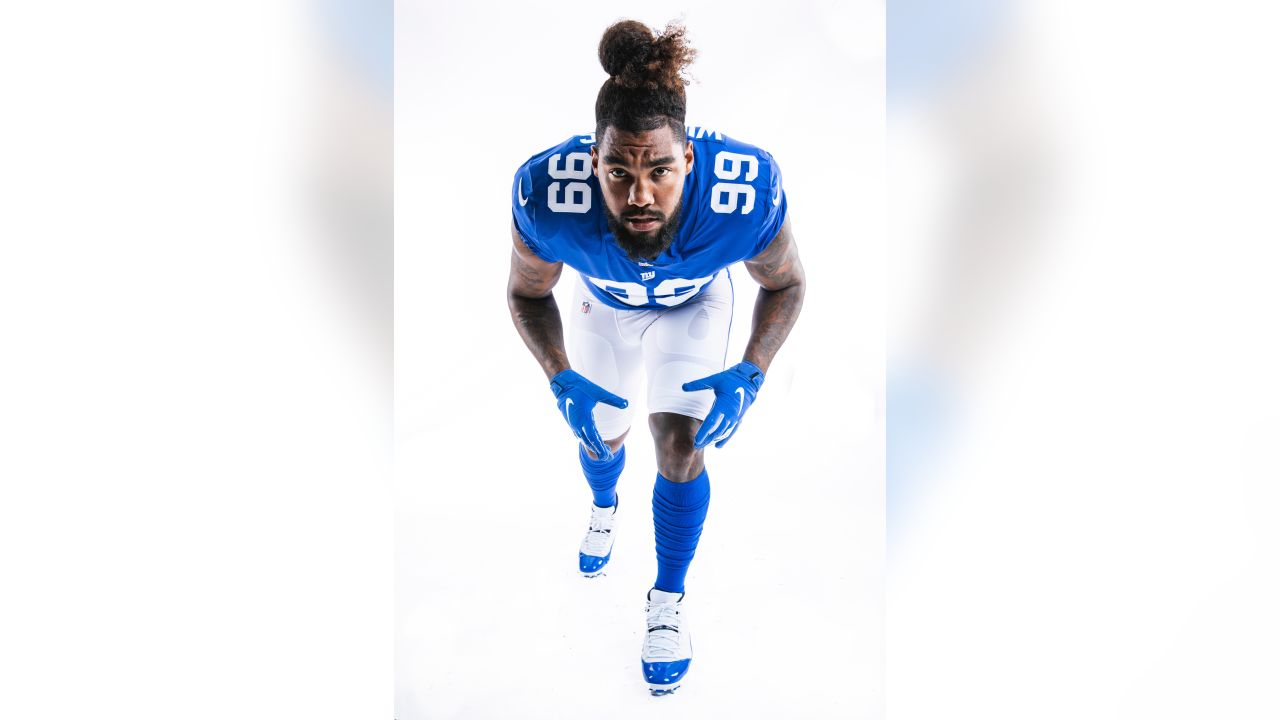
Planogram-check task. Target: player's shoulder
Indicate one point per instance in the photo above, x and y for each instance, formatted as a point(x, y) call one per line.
point(566, 162)
point(718, 156)
point(736, 181)
point(552, 196)
point(738, 204)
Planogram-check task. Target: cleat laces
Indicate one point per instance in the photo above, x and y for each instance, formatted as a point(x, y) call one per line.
point(599, 533)
point(662, 642)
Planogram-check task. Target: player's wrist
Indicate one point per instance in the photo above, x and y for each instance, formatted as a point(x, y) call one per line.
point(757, 358)
point(563, 380)
point(754, 372)
point(554, 366)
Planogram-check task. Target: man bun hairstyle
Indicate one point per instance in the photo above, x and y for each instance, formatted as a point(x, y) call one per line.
point(645, 89)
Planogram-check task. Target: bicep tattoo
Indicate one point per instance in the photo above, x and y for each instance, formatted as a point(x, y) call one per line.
point(531, 276)
point(778, 266)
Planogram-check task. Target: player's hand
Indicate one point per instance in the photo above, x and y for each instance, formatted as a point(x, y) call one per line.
point(735, 390)
point(576, 397)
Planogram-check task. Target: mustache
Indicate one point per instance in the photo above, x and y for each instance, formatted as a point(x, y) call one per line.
point(641, 215)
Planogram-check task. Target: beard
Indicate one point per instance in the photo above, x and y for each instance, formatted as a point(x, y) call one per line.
point(648, 245)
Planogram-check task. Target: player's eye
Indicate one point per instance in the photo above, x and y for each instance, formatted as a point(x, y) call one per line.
point(662, 172)
point(617, 173)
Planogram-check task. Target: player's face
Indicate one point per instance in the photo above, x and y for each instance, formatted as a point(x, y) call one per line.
point(642, 177)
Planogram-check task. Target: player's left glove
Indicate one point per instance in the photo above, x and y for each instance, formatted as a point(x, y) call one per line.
point(735, 390)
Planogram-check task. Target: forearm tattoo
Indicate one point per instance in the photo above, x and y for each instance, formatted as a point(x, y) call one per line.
point(535, 313)
point(538, 322)
point(782, 284)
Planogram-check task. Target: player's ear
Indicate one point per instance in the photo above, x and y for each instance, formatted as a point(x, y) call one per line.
point(595, 161)
point(688, 156)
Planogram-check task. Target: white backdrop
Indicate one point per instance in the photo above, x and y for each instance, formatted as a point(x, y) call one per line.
point(785, 595)
point(1089, 199)
point(195, 368)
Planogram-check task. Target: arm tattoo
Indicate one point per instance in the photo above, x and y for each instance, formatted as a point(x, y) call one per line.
point(533, 307)
point(781, 278)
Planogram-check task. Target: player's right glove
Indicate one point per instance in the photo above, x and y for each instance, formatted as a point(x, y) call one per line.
point(576, 397)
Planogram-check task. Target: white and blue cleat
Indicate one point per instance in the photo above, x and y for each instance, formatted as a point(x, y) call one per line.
point(597, 546)
point(667, 650)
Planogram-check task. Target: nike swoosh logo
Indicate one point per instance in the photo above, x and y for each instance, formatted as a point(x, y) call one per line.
point(742, 397)
point(523, 199)
point(568, 403)
point(777, 197)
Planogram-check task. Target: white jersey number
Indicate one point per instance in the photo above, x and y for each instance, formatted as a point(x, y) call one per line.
point(727, 197)
point(669, 292)
point(673, 291)
point(577, 195)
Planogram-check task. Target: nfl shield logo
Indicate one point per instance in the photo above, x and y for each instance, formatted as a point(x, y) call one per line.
point(586, 307)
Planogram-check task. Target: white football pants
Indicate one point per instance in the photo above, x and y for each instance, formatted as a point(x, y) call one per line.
point(674, 345)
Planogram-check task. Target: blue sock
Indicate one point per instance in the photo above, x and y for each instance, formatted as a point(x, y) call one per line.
point(678, 512)
point(603, 476)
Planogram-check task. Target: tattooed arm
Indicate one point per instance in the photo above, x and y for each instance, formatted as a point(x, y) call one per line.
point(781, 279)
point(533, 307)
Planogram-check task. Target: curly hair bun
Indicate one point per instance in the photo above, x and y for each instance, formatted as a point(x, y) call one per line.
point(634, 57)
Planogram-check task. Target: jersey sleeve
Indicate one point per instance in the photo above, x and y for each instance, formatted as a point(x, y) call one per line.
point(525, 208)
point(774, 205)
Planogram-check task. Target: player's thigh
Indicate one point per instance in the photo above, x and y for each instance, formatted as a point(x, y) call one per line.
point(599, 352)
point(685, 343)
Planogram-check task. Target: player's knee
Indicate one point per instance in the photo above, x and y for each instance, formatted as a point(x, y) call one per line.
point(678, 460)
point(679, 464)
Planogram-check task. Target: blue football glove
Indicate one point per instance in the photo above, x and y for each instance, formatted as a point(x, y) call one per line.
point(576, 397)
point(735, 390)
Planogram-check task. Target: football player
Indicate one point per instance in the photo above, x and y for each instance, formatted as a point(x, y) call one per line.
point(651, 214)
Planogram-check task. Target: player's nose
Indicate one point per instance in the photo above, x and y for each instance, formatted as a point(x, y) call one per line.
point(641, 194)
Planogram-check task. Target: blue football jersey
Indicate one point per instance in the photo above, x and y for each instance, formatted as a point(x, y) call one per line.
point(732, 208)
